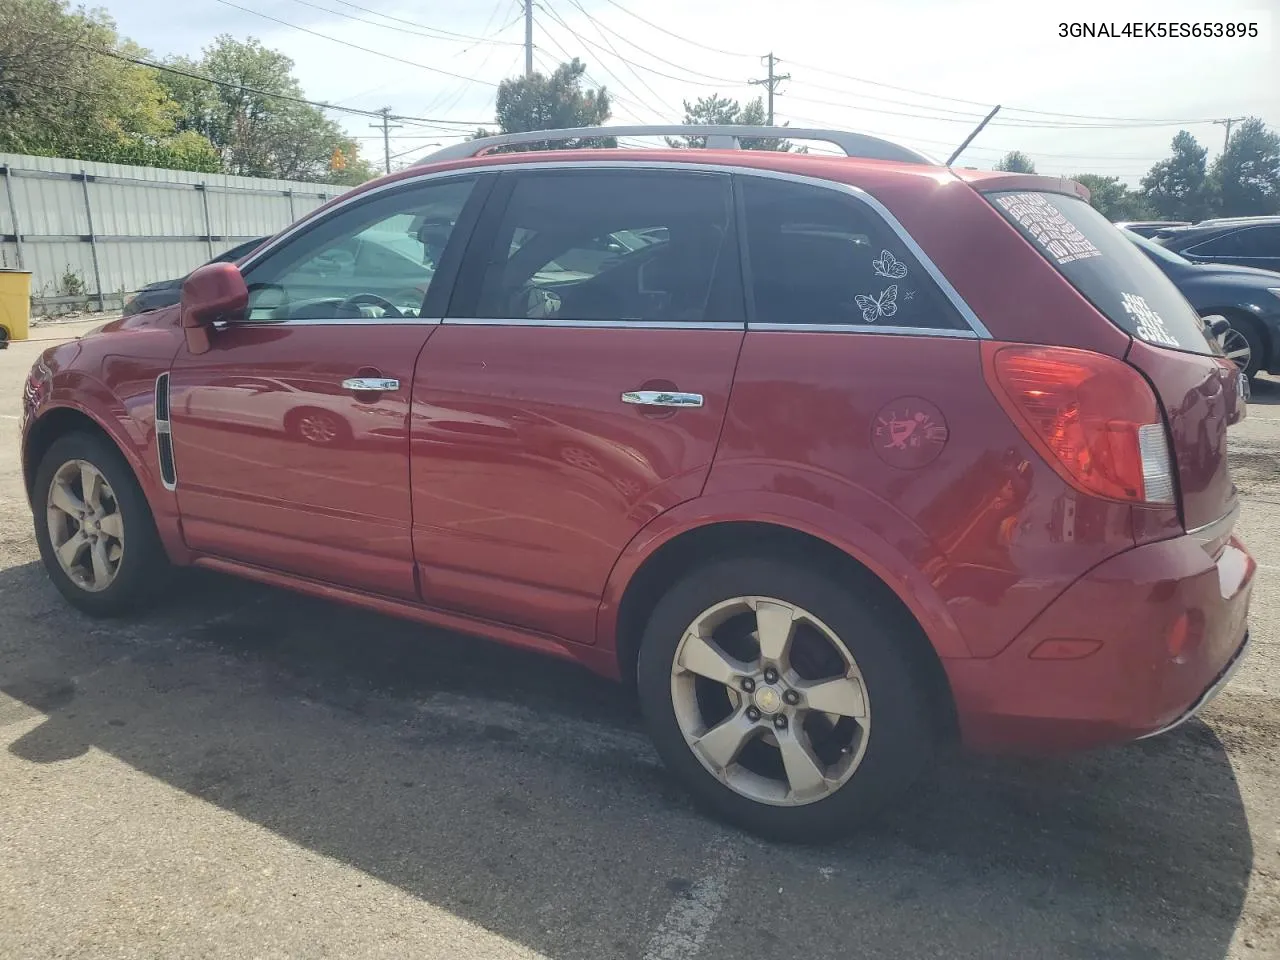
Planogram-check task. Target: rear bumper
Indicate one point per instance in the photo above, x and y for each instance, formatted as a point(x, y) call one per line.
point(1164, 626)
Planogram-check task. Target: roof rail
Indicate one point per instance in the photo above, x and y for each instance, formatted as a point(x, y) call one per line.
point(718, 137)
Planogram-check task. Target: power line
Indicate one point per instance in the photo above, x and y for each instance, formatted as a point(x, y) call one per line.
point(616, 78)
point(428, 32)
point(411, 23)
point(594, 23)
point(165, 68)
point(695, 43)
point(356, 46)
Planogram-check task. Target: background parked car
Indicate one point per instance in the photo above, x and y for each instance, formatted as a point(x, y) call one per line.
point(165, 293)
point(1242, 241)
point(1149, 228)
point(1248, 298)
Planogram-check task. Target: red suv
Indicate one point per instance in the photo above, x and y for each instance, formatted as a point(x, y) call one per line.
point(834, 458)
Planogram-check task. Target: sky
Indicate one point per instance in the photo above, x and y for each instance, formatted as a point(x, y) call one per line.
point(921, 72)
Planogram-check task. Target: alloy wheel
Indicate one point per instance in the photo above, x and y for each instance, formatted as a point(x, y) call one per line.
point(770, 701)
point(1236, 346)
point(86, 528)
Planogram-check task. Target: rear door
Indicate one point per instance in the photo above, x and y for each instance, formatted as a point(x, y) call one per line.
point(1200, 390)
point(575, 390)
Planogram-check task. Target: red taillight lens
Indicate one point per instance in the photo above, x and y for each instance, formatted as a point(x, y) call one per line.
point(1094, 418)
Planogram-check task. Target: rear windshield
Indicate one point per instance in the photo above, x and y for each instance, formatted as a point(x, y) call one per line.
point(1108, 270)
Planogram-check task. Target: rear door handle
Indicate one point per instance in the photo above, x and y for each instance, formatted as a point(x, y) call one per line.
point(662, 398)
point(370, 384)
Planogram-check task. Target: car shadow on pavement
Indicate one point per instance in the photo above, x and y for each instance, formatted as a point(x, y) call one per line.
point(519, 793)
point(1264, 391)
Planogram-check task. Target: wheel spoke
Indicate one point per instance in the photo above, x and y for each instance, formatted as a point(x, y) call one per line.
point(722, 743)
point(101, 565)
point(775, 625)
point(843, 696)
point(804, 772)
point(91, 486)
point(64, 498)
point(70, 551)
point(1237, 354)
point(113, 526)
point(701, 655)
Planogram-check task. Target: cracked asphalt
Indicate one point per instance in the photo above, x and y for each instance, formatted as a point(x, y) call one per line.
point(248, 773)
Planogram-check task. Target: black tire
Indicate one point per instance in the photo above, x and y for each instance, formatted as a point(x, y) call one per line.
point(1257, 348)
point(144, 566)
point(902, 736)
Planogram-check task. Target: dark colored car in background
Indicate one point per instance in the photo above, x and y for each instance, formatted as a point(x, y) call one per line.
point(165, 293)
point(1149, 228)
point(1248, 298)
point(1241, 241)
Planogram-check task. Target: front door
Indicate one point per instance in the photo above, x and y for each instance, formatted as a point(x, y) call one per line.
point(290, 433)
point(576, 389)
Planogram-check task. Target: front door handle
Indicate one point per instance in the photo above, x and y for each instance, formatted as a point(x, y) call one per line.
point(370, 384)
point(662, 398)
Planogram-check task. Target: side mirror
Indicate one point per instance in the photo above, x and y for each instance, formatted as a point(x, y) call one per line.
point(210, 293)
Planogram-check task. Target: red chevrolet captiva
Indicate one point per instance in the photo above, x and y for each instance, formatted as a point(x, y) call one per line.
point(837, 459)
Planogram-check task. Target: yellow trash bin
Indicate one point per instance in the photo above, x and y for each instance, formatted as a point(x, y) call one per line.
point(15, 304)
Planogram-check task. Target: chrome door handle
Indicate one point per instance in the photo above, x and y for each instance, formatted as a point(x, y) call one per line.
point(370, 384)
point(662, 398)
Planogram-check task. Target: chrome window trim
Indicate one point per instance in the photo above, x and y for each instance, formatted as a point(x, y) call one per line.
point(976, 327)
point(867, 328)
point(600, 324)
point(332, 322)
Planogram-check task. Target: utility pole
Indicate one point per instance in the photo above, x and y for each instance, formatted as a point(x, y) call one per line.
point(387, 126)
point(771, 82)
point(528, 38)
point(1228, 122)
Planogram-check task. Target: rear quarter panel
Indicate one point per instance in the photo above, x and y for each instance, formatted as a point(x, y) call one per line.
point(984, 536)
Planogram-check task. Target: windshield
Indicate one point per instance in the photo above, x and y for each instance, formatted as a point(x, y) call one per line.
point(1125, 286)
point(1157, 251)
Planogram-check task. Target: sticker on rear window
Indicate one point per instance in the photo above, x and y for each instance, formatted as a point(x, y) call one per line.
point(1150, 325)
point(885, 304)
point(1050, 228)
point(889, 266)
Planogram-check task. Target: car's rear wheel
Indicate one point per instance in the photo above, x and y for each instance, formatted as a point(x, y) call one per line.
point(1243, 346)
point(782, 701)
point(94, 529)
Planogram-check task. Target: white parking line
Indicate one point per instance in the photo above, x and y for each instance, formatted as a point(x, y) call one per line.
point(685, 927)
point(9, 416)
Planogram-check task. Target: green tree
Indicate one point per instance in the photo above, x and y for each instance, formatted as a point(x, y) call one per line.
point(1015, 161)
point(1177, 188)
point(255, 132)
point(722, 110)
point(1113, 199)
point(61, 94)
point(557, 102)
point(1246, 177)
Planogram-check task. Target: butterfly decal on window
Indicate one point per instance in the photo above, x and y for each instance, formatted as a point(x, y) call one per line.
point(889, 266)
point(883, 305)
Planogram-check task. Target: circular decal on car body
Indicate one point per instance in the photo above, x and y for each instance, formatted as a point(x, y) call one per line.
point(909, 433)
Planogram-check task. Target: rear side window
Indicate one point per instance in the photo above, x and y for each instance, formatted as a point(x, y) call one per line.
point(819, 256)
point(1106, 268)
point(1250, 242)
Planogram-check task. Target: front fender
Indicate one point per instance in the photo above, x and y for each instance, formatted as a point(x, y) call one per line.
point(872, 549)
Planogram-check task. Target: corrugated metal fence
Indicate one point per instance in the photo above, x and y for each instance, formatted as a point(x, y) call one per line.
point(91, 233)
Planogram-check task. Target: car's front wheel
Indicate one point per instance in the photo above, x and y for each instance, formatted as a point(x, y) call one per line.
point(784, 703)
point(94, 528)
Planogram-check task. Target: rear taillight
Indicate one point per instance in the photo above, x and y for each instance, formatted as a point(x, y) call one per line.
point(1094, 418)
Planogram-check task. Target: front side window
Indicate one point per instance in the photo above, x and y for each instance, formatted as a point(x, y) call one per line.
point(1260, 242)
point(375, 260)
point(821, 257)
point(612, 246)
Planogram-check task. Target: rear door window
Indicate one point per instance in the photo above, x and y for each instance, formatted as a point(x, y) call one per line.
point(1106, 268)
point(821, 257)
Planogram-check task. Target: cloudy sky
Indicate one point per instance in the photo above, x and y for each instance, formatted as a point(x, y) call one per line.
point(919, 71)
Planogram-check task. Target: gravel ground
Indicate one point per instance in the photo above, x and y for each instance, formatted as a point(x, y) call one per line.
point(246, 773)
